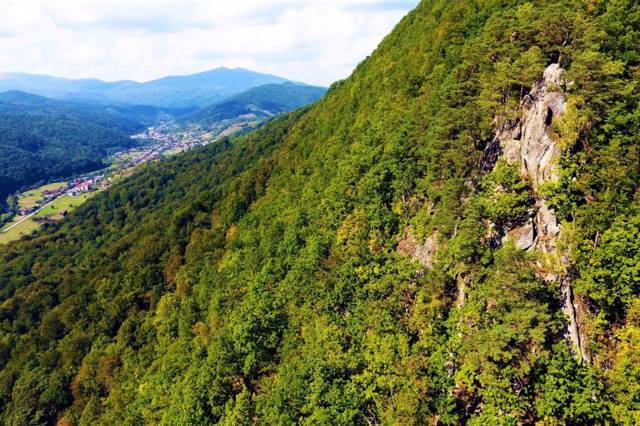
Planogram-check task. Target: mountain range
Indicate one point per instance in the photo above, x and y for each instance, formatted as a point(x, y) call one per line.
point(191, 91)
point(450, 236)
point(43, 138)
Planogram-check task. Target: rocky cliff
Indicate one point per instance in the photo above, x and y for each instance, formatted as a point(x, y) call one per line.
point(527, 142)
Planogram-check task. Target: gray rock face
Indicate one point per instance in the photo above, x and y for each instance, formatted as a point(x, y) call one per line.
point(421, 253)
point(523, 237)
point(575, 331)
point(547, 227)
point(528, 143)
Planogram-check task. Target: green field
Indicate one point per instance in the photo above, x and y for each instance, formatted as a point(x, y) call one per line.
point(25, 228)
point(52, 211)
point(30, 198)
point(66, 202)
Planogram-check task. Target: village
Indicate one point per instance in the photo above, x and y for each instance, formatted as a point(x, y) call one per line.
point(73, 189)
point(154, 144)
point(52, 202)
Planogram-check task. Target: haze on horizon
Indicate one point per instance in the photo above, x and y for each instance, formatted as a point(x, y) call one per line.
point(315, 42)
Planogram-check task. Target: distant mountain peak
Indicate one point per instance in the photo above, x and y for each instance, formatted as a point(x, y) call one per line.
point(177, 91)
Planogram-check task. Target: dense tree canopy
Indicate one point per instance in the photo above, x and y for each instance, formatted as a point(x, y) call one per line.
point(258, 280)
point(42, 139)
point(260, 102)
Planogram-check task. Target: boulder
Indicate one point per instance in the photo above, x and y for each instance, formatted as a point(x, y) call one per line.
point(422, 253)
point(523, 237)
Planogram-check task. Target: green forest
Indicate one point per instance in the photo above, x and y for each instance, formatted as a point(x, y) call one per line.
point(263, 101)
point(353, 262)
point(43, 139)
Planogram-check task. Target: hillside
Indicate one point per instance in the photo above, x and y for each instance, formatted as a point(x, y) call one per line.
point(258, 103)
point(42, 138)
point(175, 92)
point(450, 236)
point(53, 87)
point(123, 116)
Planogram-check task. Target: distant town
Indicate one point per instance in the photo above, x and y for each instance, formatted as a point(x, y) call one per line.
point(54, 201)
point(156, 143)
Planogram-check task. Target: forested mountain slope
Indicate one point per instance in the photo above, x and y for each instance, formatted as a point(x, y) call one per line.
point(42, 138)
point(259, 102)
point(450, 236)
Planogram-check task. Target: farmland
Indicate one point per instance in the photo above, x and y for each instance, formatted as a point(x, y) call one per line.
point(66, 203)
point(25, 225)
point(16, 232)
point(31, 198)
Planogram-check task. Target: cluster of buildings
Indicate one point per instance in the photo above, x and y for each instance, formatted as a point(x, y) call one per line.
point(151, 154)
point(73, 188)
point(54, 193)
point(164, 142)
point(29, 210)
point(84, 185)
point(156, 134)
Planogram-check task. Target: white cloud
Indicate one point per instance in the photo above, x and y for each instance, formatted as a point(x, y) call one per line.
point(316, 41)
point(18, 17)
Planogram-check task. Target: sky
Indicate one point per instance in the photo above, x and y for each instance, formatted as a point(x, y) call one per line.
point(313, 41)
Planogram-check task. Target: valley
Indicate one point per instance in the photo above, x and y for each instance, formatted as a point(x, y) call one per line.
point(54, 201)
point(87, 147)
point(448, 236)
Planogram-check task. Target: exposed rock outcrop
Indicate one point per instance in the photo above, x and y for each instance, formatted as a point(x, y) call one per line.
point(527, 142)
point(424, 253)
point(461, 283)
point(575, 314)
point(547, 228)
point(523, 237)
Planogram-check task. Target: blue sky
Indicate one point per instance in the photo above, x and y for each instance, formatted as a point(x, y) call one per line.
point(315, 41)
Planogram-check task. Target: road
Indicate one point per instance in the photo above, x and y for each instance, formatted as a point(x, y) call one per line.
point(29, 215)
point(150, 153)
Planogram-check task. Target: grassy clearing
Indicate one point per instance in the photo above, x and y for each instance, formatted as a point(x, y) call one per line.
point(66, 202)
point(52, 211)
point(17, 232)
point(30, 198)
